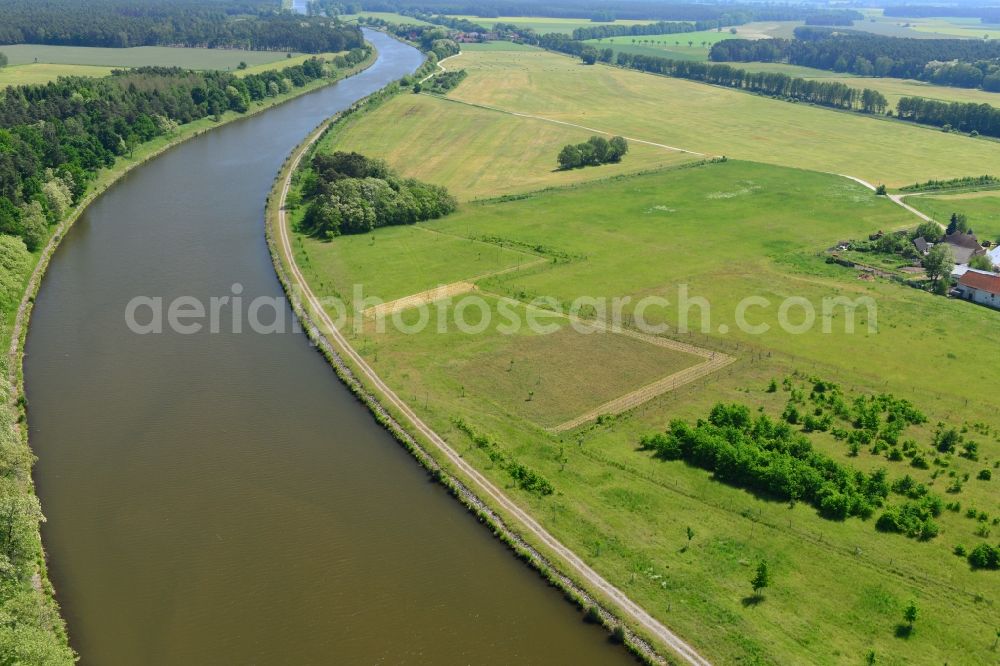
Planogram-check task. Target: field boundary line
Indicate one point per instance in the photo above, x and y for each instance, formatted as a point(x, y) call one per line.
point(650, 391)
point(568, 557)
point(714, 360)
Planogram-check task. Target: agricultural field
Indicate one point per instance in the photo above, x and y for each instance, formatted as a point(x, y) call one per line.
point(20, 75)
point(188, 58)
point(478, 152)
point(391, 17)
point(726, 230)
point(694, 45)
point(982, 209)
point(717, 121)
point(926, 28)
point(543, 25)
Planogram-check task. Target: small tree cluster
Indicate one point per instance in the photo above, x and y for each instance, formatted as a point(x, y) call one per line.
point(769, 457)
point(347, 193)
point(595, 151)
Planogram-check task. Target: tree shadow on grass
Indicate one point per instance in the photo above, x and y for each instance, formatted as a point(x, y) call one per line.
point(752, 601)
point(904, 631)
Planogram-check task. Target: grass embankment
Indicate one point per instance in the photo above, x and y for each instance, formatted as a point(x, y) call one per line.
point(727, 230)
point(34, 631)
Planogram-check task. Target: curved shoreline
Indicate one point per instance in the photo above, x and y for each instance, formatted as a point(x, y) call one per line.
point(353, 371)
point(13, 370)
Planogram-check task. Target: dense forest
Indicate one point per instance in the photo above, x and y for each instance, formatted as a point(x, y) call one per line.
point(218, 24)
point(348, 193)
point(55, 137)
point(966, 63)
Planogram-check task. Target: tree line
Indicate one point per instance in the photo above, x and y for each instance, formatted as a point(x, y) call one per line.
point(55, 137)
point(961, 116)
point(593, 152)
point(970, 117)
point(966, 63)
point(220, 24)
point(825, 93)
point(348, 193)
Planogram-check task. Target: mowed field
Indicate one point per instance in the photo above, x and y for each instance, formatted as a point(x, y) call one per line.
point(717, 121)
point(478, 152)
point(982, 209)
point(724, 231)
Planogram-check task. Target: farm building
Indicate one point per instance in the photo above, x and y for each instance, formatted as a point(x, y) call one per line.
point(980, 287)
point(964, 247)
point(923, 247)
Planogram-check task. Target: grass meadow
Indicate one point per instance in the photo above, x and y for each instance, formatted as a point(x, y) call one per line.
point(982, 209)
point(718, 121)
point(727, 230)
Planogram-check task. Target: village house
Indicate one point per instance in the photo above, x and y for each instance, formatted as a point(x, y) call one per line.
point(980, 287)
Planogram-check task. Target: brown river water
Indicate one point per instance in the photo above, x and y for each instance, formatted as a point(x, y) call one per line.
point(222, 498)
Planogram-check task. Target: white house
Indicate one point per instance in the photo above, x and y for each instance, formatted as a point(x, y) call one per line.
point(980, 287)
point(994, 255)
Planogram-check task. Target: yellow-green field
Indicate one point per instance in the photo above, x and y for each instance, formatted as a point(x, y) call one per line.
point(717, 121)
point(477, 152)
point(19, 75)
point(51, 63)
